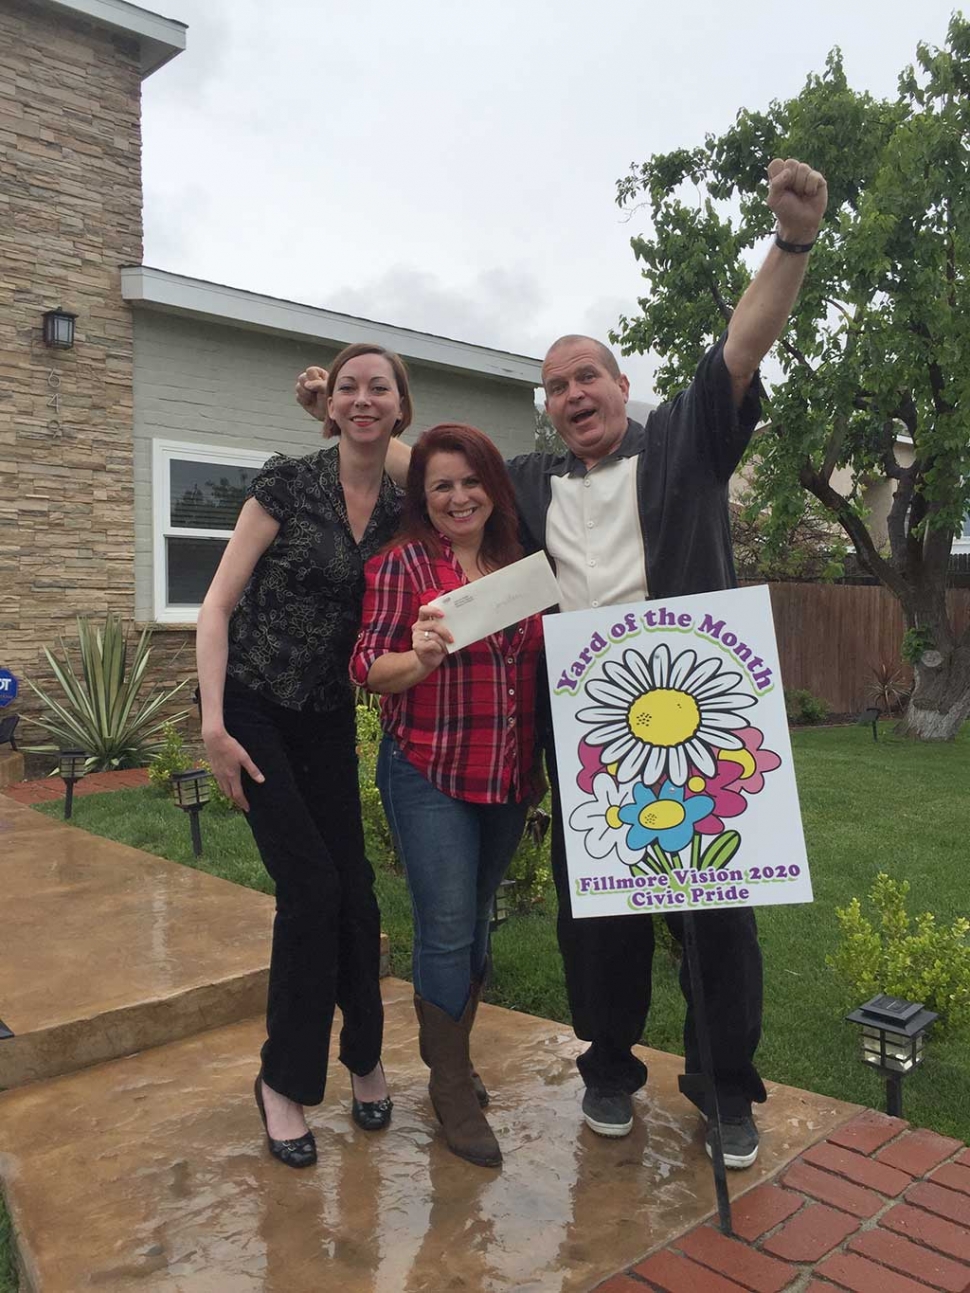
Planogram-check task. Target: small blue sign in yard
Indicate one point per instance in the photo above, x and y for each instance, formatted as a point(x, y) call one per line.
point(8, 687)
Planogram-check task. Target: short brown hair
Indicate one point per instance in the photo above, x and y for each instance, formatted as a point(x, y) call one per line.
point(605, 353)
point(401, 380)
point(500, 539)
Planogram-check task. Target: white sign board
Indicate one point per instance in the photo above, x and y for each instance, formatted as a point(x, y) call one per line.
point(675, 768)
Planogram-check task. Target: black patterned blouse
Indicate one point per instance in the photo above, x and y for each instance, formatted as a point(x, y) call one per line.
point(291, 634)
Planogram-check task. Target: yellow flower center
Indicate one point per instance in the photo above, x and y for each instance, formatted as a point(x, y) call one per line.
point(696, 784)
point(664, 717)
point(742, 757)
point(662, 814)
point(613, 816)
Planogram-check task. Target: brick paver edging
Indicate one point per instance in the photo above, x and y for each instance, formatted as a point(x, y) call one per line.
point(875, 1208)
point(44, 789)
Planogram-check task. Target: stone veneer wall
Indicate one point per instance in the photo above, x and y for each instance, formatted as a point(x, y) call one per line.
point(70, 215)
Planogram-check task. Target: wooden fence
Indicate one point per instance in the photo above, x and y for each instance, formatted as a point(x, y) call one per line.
point(831, 636)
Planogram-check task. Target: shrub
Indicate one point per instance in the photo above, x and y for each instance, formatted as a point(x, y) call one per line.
point(378, 841)
point(531, 867)
point(172, 757)
point(97, 713)
point(888, 687)
point(802, 707)
point(916, 642)
point(910, 957)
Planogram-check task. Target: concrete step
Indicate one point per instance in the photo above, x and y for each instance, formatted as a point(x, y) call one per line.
point(150, 1174)
point(108, 950)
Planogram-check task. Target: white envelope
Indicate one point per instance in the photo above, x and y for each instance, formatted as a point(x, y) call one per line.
point(498, 600)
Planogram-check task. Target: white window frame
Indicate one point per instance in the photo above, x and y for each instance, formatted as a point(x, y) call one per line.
point(962, 543)
point(163, 451)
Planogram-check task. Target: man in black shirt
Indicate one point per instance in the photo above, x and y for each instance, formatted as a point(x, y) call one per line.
point(632, 512)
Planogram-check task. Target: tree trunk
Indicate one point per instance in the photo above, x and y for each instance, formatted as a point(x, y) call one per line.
point(941, 698)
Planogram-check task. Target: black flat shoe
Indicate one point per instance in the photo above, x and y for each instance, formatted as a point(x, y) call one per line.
point(371, 1115)
point(301, 1152)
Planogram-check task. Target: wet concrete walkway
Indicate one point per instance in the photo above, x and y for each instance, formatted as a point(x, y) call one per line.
point(151, 1173)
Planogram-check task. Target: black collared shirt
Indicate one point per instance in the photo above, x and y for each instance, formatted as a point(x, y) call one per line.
point(291, 634)
point(686, 454)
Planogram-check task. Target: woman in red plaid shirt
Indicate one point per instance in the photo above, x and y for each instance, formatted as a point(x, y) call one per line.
point(458, 765)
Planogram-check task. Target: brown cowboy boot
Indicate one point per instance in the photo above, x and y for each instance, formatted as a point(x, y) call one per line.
point(481, 1094)
point(443, 1043)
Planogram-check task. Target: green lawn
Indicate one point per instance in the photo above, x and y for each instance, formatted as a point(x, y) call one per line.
point(892, 806)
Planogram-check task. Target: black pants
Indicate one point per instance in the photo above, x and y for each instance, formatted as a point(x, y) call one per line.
point(305, 818)
point(608, 962)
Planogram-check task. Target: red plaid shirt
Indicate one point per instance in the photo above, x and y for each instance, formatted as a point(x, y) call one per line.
point(469, 727)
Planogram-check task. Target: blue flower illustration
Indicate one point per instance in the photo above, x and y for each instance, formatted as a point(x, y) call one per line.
point(667, 818)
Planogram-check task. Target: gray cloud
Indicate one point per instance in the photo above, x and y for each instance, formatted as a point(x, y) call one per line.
point(498, 307)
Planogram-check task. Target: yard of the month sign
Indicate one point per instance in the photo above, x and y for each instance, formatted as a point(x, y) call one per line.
point(675, 766)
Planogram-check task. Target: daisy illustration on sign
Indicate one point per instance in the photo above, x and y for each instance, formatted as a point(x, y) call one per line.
point(657, 716)
point(669, 742)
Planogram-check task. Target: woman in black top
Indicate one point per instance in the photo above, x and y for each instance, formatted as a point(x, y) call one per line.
point(274, 638)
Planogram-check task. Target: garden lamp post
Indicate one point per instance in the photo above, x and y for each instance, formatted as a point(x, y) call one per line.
point(192, 794)
point(870, 715)
point(71, 767)
point(892, 1041)
point(501, 905)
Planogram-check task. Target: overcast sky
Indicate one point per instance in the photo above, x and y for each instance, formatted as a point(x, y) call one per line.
point(451, 167)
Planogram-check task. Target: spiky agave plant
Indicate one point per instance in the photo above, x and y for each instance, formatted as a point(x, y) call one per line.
point(98, 711)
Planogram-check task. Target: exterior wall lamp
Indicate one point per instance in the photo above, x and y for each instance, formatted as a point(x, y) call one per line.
point(59, 329)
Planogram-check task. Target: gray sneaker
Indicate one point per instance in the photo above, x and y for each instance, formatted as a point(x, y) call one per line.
point(608, 1113)
point(739, 1141)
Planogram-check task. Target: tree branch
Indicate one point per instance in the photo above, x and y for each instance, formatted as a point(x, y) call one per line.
point(794, 353)
point(855, 528)
point(833, 449)
point(898, 513)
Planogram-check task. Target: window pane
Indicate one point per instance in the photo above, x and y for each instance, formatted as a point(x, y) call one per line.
point(207, 495)
point(966, 527)
point(191, 565)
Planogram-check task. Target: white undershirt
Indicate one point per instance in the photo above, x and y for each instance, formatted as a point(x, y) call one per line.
point(593, 535)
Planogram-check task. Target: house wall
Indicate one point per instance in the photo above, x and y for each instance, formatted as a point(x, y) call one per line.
point(207, 383)
point(70, 215)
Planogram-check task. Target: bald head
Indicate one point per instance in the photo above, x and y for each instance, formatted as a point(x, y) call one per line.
point(606, 356)
point(586, 396)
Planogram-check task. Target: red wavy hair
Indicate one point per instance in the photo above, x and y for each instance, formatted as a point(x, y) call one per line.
point(500, 538)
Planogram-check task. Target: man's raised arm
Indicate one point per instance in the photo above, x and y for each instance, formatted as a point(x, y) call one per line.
point(798, 196)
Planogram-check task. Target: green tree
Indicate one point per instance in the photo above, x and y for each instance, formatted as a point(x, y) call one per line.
point(548, 439)
point(879, 346)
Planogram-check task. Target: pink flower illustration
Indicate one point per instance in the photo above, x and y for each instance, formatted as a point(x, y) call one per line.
point(737, 770)
point(727, 802)
point(752, 762)
point(592, 766)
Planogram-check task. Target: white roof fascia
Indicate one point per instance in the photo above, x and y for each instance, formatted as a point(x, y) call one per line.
point(175, 294)
point(159, 39)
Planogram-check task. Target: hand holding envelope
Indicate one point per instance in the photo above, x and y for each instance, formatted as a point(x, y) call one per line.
point(497, 600)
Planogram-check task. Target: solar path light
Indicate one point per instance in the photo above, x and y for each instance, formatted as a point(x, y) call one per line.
point(71, 767)
point(892, 1041)
point(191, 791)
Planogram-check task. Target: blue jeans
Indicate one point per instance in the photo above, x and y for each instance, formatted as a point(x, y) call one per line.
point(454, 854)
